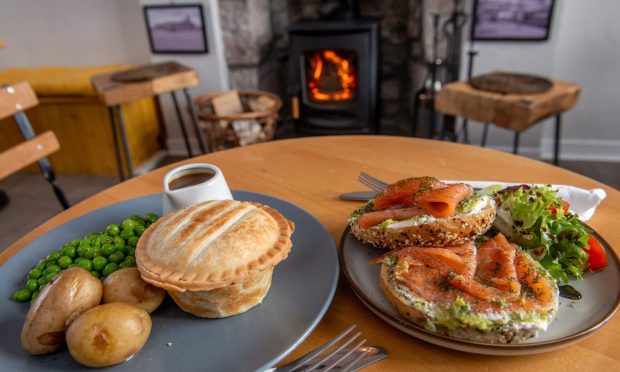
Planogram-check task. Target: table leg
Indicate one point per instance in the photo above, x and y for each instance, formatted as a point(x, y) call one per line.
point(117, 150)
point(199, 133)
point(515, 144)
point(181, 123)
point(556, 152)
point(485, 134)
point(121, 126)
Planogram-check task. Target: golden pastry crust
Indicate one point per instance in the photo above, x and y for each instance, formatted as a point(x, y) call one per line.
point(212, 244)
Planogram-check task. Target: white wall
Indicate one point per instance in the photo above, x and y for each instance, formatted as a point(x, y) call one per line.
point(584, 47)
point(96, 32)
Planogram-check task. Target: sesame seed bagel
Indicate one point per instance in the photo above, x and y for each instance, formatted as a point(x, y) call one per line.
point(428, 232)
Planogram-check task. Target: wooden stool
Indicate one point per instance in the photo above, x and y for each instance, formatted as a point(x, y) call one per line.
point(117, 88)
point(516, 112)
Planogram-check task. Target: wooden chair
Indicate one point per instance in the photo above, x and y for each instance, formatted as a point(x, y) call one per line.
point(14, 100)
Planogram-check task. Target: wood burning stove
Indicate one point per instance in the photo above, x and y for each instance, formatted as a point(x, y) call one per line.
point(335, 76)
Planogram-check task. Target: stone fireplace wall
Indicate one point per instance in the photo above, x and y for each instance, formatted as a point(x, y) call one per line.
point(256, 46)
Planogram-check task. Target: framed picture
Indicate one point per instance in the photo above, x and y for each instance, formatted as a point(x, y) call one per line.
point(519, 20)
point(177, 28)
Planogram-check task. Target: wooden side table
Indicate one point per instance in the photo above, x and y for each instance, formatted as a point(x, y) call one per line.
point(117, 88)
point(515, 112)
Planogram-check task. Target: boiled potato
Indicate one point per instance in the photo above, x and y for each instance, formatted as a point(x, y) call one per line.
point(126, 285)
point(71, 292)
point(108, 334)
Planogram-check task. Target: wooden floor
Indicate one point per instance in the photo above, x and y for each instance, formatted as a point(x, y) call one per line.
point(32, 202)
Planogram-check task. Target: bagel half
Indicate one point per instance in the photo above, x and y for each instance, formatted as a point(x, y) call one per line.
point(428, 231)
point(459, 320)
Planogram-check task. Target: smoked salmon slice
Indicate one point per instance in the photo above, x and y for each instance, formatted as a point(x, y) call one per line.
point(442, 202)
point(401, 192)
point(492, 276)
point(370, 219)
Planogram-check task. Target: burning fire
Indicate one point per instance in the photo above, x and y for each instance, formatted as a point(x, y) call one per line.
point(331, 77)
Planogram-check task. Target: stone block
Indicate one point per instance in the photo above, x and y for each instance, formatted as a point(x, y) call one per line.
point(390, 89)
point(243, 78)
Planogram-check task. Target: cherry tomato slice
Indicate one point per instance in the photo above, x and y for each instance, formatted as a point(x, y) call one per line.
point(565, 207)
point(597, 259)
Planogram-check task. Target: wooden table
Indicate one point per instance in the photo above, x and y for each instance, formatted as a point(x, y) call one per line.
point(117, 88)
point(311, 172)
point(515, 112)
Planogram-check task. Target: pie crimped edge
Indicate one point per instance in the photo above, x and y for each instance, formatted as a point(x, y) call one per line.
point(152, 272)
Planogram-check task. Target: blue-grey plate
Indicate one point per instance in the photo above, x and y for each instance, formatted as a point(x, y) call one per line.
point(302, 288)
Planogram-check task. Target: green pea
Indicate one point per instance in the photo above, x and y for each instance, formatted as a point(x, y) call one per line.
point(99, 263)
point(96, 274)
point(22, 295)
point(126, 234)
point(130, 260)
point(138, 220)
point(52, 257)
point(64, 262)
point(42, 281)
point(52, 268)
point(107, 250)
point(90, 235)
point(109, 269)
point(76, 242)
point(151, 217)
point(112, 229)
point(132, 242)
point(96, 241)
point(81, 251)
point(41, 265)
point(131, 251)
point(90, 252)
point(139, 230)
point(34, 274)
point(74, 265)
point(51, 275)
point(32, 285)
point(69, 251)
point(128, 224)
point(34, 296)
point(86, 264)
point(106, 239)
point(119, 242)
point(116, 257)
point(50, 263)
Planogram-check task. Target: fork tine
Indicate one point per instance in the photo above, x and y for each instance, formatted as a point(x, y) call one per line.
point(320, 349)
point(372, 182)
point(321, 362)
point(367, 178)
point(351, 363)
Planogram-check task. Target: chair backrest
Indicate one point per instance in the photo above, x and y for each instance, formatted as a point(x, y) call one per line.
point(16, 98)
point(27, 152)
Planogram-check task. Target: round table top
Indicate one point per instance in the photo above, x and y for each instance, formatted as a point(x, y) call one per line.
point(311, 172)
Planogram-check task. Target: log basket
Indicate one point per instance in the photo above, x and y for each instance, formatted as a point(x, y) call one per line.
point(248, 127)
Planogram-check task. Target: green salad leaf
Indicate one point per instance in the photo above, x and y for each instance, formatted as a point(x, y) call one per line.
point(533, 217)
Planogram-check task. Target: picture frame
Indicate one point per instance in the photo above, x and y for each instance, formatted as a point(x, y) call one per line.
point(176, 29)
point(511, 20)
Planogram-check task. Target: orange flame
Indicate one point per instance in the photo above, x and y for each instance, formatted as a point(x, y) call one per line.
point(323, 64)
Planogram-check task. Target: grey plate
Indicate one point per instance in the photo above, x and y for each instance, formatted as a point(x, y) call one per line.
point(302, 289)
point(574, 321)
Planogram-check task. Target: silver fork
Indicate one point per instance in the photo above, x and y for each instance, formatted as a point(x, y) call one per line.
point(319, 359)
point(373, 183)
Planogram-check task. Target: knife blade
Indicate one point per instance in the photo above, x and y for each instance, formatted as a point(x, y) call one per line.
point(358, 195)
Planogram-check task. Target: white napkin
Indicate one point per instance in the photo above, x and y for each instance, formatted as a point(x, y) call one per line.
point(582, 202)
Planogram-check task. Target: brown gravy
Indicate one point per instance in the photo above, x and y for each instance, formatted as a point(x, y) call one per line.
point(190, 178)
